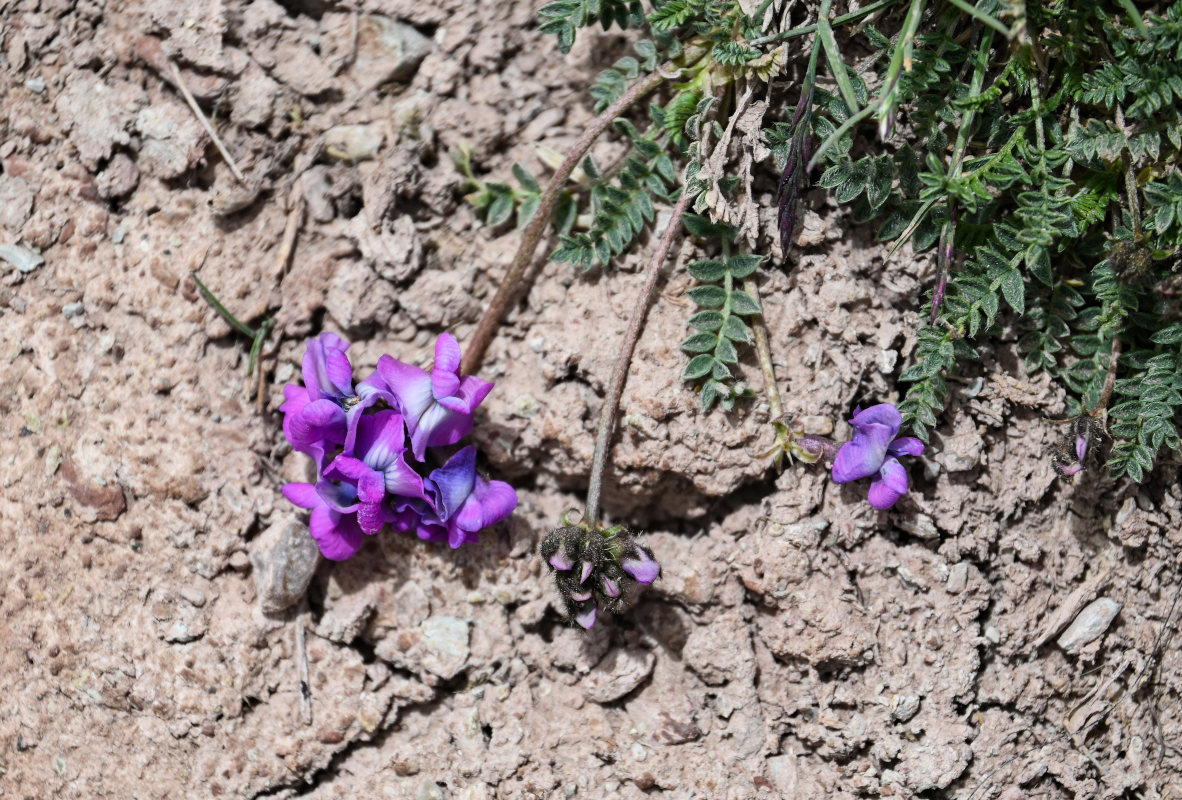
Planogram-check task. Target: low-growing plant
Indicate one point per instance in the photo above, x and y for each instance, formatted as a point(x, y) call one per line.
point(1033, 149)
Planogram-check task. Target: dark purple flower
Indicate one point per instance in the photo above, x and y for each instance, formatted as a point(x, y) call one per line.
point(874, 451)
point(438, 406)
point(377, 467)
point(463, 502)
point(334, 519)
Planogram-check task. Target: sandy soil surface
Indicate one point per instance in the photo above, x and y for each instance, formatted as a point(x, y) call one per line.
point(799, 645)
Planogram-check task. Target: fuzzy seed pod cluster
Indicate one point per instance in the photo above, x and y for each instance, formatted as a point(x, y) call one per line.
point(593, 569)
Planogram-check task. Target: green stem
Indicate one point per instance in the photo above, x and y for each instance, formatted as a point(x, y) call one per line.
point(844, 19)
point(981, 16)
point(532, 235)
point(833, 57)
point(1134, 16)
point(611, 401)
point(835, 137)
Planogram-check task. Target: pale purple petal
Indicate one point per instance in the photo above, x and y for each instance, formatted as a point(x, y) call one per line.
point(1081, 448)
point(497, 500)
point(642, 567)
point(581, 596)
point(318, 426)
point(302, 494)
point(438, 427)
point(410, 387)
point(586, 619)
point(560, 560)
point(906, 446)
point(610, 588)
point(586, 573)
point(458, 537)
point(444, 384)
point(881, 414)
point(863, 456)
point(371, 488)
point(339, 371)
point(381, 438)
point(473, 391)
point(447, 354)
point(402, 480)
point(326, 368)
point(338, 535)
point(889, 486)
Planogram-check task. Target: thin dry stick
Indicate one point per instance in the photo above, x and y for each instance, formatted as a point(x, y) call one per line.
point(295, 218)
point(217, 142)
point(611, 403)
point(1110, 378)
point(764, 351)
point(302, 663)
point(474, 352)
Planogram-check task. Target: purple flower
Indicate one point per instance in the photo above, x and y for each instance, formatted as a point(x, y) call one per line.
point(377, 467)
point(438, 406)
point(874, 451)
point(641, 565)
point(316, 415)
point(334, 520)
point(464, 502)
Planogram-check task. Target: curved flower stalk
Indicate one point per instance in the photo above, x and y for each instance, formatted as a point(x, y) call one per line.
point(377, 446)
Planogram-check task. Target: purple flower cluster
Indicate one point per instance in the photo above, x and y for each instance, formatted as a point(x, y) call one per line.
point(385, 449)
point(592, 568)
point(874, 452)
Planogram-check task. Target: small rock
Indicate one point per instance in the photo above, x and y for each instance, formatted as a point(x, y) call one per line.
point(183, 633)
point(1090, 624)
point(387, 50)
point(284, 557)
point(921, 526)
point(904, 707)
point(620, 672)
point(353, 143)
point(119, 179)
point(430, 790)
point(16, 203)
point(71, 310)
point(24, 259)
point(193, 596)
point(958, 578)
point(445, 645)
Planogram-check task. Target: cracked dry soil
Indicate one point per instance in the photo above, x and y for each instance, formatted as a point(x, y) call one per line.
point(799, 645)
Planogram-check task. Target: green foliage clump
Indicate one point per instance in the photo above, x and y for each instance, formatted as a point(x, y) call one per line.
point(1047, 156)
point(1034, 147)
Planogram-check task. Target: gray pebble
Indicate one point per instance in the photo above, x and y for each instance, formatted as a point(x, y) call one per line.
point(71, 310)
point(1090, 624)
point(285, 557)
point(24, 259)
point(904, 707)
point(194, 596)
point(958, 578)
point(621, 671)
point(445, 645)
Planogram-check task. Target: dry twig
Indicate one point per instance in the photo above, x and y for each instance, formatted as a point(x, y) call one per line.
point(217, 142)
